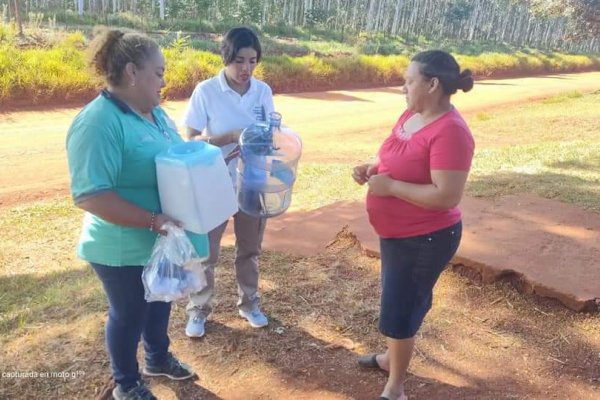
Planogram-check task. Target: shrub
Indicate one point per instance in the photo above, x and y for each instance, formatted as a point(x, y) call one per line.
point(59, 71)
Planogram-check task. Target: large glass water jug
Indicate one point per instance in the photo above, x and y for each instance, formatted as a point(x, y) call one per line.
point(267, 167)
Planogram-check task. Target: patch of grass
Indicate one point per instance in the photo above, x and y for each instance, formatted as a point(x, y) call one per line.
point(330, 48)
point(482, 116)
point(575, 117)
point(37, 298)
point(550, 148)
point(321, 184)
point(40, 278)
point(561, 98)
point(569, 172)
point(25, 222)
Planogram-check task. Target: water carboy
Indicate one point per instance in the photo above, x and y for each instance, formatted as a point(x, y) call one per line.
point(269, 154)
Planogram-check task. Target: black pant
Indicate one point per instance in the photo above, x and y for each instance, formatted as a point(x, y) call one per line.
point(410, 267)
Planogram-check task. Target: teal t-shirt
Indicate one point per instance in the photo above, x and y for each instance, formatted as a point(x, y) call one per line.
point(110, 147)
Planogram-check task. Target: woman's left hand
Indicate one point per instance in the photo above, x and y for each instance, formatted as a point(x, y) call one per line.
point(160, 220)
point(380, 185)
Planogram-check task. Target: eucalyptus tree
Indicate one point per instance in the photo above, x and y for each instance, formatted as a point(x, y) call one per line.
point(546, 24)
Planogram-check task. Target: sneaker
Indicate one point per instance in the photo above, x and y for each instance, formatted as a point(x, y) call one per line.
point(256, 318)
point(195, 327)
point(172, 368)
point(139, 392)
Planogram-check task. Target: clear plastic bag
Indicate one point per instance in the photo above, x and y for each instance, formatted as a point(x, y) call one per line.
point(174, 270)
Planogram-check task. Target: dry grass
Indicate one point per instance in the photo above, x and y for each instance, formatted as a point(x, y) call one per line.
point(323, 313)
point(478, 342)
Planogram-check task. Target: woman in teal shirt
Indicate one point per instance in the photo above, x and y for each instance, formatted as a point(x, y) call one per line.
point(111, 147)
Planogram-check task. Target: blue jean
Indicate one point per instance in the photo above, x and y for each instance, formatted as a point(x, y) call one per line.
point(410, 268)
point(129, 317)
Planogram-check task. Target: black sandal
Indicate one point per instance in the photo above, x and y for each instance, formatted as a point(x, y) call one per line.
point(369, 361)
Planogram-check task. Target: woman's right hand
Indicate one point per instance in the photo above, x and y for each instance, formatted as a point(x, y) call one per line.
point(362, 173)
point(234, 136)
point(160, 220)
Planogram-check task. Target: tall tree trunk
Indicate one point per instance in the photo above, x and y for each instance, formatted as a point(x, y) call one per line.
point(396, 23)
point(473, 20)
point(371, 15)
point(18, 17)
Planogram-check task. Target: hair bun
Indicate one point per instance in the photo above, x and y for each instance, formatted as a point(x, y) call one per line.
point(113, 35)
point(110, 35)
point(465, 80)
point(111, 49)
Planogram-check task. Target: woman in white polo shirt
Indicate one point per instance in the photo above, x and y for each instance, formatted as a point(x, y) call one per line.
point(219, 109)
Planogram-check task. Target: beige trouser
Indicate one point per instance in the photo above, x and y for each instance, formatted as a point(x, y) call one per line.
point(249, 233)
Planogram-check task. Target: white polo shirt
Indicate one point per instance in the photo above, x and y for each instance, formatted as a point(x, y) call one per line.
point(215, 109)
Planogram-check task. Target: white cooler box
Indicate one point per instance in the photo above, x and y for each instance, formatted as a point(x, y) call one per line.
point(194, 186)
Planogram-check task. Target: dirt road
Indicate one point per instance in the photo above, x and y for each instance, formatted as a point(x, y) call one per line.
point(32, 158)
point(506, 346)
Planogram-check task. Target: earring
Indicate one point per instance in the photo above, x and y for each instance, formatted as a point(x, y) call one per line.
point(132, 83)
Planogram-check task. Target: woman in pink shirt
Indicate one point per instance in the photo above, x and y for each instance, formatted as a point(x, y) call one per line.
point(415, 185)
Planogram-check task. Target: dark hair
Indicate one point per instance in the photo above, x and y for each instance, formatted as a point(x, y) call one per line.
point(441, 65)
point(111, 50)
point(236, 39)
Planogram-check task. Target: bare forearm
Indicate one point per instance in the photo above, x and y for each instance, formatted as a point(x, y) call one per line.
point(112, 208)
point(217, 140)
point(424, 195)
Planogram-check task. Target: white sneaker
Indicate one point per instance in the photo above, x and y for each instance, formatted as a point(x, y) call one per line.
point(195, 327)
point(256, 318)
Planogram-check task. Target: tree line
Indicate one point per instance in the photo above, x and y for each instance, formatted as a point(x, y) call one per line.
point(571, 25)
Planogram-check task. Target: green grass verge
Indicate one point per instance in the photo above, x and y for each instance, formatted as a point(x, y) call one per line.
point(58, 72)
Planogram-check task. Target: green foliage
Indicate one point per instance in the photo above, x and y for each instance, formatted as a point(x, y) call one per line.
point(318, 17)
point(186, 68)
point(370, 44)
point(249, 11)
point(286, 73)
point(43, 74)
point(205, 45)
point(533, 62)
point(125, 20)
point(7, 33)
point(58, 71)
point(459, 11)
point(181, 42)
